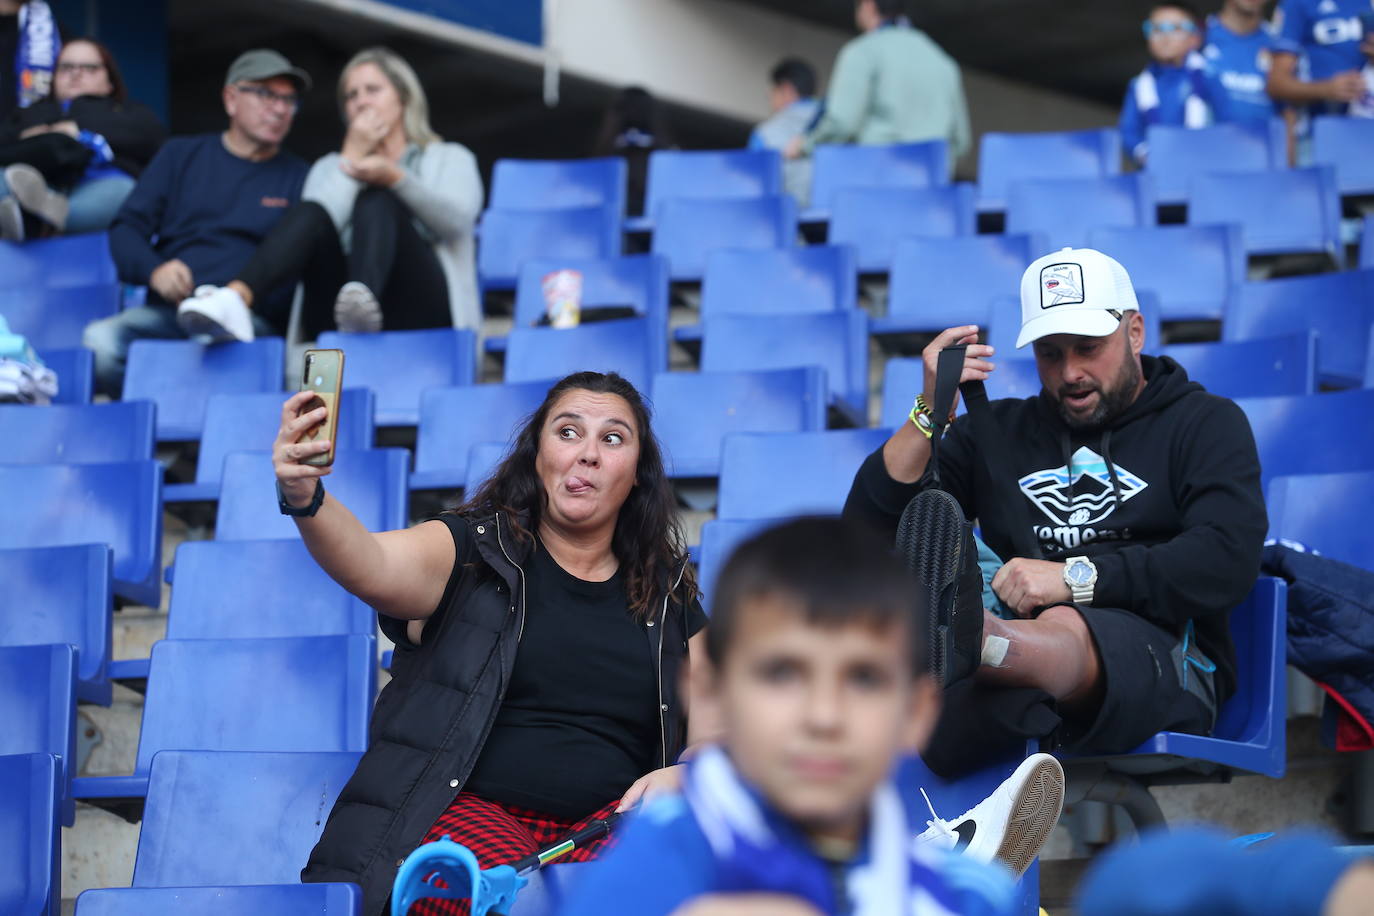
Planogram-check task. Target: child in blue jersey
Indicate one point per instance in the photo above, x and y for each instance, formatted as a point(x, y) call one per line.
point(1177, 88)
point(1239, 48)
point(818, 682)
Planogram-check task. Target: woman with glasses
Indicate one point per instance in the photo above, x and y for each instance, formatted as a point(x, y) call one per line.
point(383, 235)
point(71, 158)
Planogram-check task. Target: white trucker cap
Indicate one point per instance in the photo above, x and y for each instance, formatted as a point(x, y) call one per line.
point(1074, 291)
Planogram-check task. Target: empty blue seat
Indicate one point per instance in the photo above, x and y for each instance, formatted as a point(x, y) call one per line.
point(1327, 512)
point(630, 346)
point(1263, 367)
point(260, 900)
point(452, 420)
point(903, 379)
point(399, 365)
point(483, 459)
point(1013, 378)
point(307, 693)
point(180, 375)
point(370, 482)
point(31, 843)
point(1344, 144)
point(61, 595)
point(1177, 153)
point(119, 504)
point(1192, 270)
point(779, 475)
point(553, 184)
point(898, 165)
point(687, 230)
point(249, 422)
point(1337, 432)
point(77, 434)
point(75, 368)
point(51, 317)
point(1367, 243)
point(1279, 212)
point(1065, 210)
point(38, 707)
point(1004, 326)
point(1338, 306)
point(639, 281)
point(715, 174)
point(938, 283)
point(834, 341)
point(61, 261)
point(719, 538)
point(694, 411)
point(509, 238)
point(1007, 158)
point(873, 220)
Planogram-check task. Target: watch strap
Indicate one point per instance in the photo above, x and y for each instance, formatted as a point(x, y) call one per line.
point(307, 511)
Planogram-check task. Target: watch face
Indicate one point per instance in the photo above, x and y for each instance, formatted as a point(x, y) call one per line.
point(1078, 573)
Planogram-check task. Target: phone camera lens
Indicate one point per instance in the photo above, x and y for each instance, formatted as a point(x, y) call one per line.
point(319, 380)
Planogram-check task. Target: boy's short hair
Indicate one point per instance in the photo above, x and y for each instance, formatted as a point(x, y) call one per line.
point(1184, 7)
point(837, 573)
point(797, 73)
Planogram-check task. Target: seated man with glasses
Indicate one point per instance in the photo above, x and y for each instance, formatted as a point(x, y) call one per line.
point(201, 208)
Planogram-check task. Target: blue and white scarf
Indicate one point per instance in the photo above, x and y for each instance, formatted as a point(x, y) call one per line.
point(36, 58)
point(756, 850)
point(1196, 111)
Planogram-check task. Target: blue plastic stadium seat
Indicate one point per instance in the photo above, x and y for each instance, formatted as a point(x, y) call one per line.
point(1327, 512)
point(75, 368)
point(483, 459)
point(1279, 212)
point(719, 538)
point(687, 230)
point(1013, 378)
point(1263, 367)
point(903, 379)
point(1337, 432)
point(38, 707)
point(938, 283)
point(898, 165)
point(452, 420)
point(714, 174)
point(1065, 210)
point(1007, 158)
point(61, 261)
point(51, 317)
point(1338, 306)
point(633, 347)
point(873, 220)
point(777, 281)
point(694, 411)
point(61, 595)
point(370, 482)
point(1192, 270)
point(77, 434)
point(1004, 326)
point(834, 341)
point(180, 375)
point(511, 237)
point(1369, 362)
point(1367, 243)
point(779, 475)
point(399, 365)
point(119, 504)
point(31, 843)
point(240, 422)
point(1178, 154)
point(259, 900)
point(1344, 144)
point(307, 693)
point(554, 184)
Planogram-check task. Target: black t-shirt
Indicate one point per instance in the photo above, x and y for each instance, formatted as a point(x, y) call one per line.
point(579, 722)
point(9, 46)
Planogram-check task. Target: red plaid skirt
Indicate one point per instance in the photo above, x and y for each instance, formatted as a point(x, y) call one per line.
point(498, 835)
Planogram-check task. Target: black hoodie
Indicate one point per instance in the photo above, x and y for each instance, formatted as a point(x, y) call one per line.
point(1166, 500)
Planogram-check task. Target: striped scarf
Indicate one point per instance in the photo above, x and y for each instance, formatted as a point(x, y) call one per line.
point(36, 59)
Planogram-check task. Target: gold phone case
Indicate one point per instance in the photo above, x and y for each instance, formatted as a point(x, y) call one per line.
point(323, 375)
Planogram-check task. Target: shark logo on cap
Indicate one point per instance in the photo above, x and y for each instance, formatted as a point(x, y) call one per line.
point(1061, 284)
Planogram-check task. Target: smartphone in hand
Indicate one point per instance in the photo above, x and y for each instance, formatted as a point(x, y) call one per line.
point(323, 375)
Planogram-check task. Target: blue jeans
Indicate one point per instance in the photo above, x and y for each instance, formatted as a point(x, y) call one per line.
point(94, 203)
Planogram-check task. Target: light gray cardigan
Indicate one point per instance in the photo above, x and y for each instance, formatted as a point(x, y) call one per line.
point(443, 190)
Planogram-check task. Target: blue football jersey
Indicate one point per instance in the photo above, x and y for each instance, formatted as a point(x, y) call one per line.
point(1240, 64)
point(1326, 33)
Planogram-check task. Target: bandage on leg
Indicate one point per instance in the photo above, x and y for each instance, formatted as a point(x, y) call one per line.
point(995, 651)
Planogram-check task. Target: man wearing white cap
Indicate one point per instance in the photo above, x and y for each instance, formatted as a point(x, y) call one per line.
point(1140, 492)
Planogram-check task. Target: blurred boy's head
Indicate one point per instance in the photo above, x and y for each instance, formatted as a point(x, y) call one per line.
point(1172, 31)
point(819, 675)
point(791, 81)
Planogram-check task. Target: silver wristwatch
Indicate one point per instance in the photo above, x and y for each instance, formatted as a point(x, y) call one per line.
point(1080, 575)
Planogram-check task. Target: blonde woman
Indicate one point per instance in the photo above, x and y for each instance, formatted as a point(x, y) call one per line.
point(383, 235)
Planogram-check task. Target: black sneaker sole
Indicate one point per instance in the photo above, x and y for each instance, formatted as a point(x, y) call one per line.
point(930, 540)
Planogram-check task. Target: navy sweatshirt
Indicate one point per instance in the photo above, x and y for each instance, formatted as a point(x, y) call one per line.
point(200, 203)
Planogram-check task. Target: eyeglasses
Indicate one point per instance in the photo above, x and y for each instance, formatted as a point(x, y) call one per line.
point(1168, 28)
point(268, 97)
point(74, 67)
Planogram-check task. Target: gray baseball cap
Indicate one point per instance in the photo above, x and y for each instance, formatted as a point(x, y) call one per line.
point(263, 63)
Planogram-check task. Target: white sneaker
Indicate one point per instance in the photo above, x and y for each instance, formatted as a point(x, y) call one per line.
point(1010, 825)
point(31, 190)
point(11, 220)
point(356, 310)
point(216, 311)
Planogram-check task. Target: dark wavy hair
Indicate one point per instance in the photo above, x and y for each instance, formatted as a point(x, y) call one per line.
point(118, 91)
point(648, 539)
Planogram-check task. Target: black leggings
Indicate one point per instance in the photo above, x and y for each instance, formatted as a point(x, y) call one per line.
point(389, 257)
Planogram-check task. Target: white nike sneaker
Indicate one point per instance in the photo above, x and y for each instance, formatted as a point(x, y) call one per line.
point(1010, 825)
point(216, 311)
point(356, 310)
